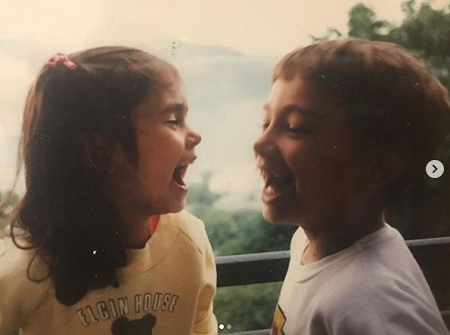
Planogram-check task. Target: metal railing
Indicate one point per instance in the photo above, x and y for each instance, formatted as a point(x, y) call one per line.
point(270, 267)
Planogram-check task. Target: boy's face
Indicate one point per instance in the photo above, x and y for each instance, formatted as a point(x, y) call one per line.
point(311, 176)
point(165, 146)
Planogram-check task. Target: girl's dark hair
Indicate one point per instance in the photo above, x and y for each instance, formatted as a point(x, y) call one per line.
point(65, 214)
point(394, 105)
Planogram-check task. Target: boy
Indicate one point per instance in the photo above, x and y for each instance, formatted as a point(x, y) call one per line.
point(348, 125)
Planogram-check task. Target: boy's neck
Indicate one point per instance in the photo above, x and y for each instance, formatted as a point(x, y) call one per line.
point(336, 237)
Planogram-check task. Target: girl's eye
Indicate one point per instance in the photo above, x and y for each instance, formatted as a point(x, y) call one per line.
point(175, 122)
point(265, 125)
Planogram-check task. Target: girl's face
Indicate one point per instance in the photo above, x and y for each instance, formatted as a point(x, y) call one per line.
point(165, 146)
point(305, 155)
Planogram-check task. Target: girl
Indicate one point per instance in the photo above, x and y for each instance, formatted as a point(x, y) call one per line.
point(106, 147)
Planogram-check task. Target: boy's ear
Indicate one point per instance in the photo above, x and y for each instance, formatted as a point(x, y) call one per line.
point(384, 168)
point(96, 151)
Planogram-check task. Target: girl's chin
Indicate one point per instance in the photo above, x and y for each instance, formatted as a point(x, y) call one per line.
point(175, 208)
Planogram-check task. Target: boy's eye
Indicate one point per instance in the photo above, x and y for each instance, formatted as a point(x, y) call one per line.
point(297, 129)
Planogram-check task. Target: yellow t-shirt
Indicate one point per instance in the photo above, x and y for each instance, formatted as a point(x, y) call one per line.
point(167, 288)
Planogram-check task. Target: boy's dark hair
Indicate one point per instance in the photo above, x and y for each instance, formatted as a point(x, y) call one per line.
point(65, 214)
point(394, 105)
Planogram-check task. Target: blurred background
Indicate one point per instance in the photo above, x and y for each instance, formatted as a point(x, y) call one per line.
point(225, 52)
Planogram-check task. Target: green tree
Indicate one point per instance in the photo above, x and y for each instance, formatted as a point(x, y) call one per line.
point(244, 231)
point(364, 24)
point(246, 307)
point(425, 31)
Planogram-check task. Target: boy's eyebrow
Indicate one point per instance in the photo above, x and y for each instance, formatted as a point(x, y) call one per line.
point(295, 109)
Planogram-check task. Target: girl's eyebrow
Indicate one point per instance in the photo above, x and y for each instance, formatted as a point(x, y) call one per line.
point(176, 108)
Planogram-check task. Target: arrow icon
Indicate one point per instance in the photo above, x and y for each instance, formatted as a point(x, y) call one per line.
point(434, 169)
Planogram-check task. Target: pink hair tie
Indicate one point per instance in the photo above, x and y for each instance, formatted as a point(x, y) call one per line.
point(61, 59)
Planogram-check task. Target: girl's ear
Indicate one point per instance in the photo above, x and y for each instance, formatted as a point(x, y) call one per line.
point(96, 151)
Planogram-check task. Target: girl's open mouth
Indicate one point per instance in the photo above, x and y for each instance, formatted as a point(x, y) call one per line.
point(178, 175)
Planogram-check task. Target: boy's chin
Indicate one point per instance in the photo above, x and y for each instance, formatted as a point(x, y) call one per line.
point(276, 218)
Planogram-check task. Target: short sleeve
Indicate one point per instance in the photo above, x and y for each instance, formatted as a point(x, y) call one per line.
point(383, 305)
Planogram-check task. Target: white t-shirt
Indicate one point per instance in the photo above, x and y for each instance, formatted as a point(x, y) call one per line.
point(374, 287)
point(167, 289)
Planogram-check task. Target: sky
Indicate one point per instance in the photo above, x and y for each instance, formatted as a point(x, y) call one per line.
point(225, 51)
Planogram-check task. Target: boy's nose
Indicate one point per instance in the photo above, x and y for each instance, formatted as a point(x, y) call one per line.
point(263, 146)
point(193, 139)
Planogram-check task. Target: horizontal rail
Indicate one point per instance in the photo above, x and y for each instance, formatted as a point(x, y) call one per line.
point(267, 267)
point(429, 241)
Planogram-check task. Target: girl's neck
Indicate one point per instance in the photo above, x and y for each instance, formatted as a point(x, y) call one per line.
point(334, 237)
point(139, 237)
point(136, 230)
point(135, 223)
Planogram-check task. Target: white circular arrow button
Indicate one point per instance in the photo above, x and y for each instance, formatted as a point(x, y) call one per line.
point(435, 169)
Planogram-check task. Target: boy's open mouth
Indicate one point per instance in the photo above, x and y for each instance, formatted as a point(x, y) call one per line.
point(178, 175)
point(276, 185)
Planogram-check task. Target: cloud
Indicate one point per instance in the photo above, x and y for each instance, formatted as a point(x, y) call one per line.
point(225, 79)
